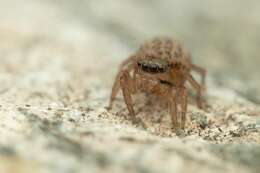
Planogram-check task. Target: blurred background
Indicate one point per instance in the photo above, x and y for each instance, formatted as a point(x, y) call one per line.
point(65, 53)
point(223, 36)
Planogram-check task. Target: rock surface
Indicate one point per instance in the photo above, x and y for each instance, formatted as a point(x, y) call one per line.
point(58, 62)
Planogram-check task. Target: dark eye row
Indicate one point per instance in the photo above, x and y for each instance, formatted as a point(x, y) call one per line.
point(151, 68)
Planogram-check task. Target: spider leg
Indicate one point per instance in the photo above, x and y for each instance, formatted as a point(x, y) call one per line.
point(198, 89)
point(183, 95)
point(173, 109)
point(116, 86)
point(128, 88)
point(202, 72)
point(115, 89)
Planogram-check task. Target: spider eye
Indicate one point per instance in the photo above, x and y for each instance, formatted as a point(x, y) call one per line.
point(153, 66)
point(161, 69)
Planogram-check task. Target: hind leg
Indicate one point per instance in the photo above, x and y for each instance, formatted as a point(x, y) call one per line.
point(202, 73)
point(199, 90)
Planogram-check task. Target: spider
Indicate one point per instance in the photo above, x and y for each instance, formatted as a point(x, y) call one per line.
point(160, 67)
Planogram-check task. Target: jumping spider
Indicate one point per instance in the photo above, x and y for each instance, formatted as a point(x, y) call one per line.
point(160, 67)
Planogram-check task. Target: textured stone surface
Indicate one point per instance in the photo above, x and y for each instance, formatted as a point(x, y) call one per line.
point(58, 62)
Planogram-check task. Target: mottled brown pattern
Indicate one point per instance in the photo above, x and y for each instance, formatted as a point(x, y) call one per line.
point(161, 67)
point(164, 48)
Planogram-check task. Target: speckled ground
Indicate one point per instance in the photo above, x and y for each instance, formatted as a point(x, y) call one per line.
point(58, 63)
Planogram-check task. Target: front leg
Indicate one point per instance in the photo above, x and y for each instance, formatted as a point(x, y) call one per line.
point(116, 85)
point(115, 89)
point(173, 108)
point(183, 96)
point(128, 88)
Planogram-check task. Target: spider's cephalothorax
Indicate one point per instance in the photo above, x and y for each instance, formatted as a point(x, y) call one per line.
point(161, 67)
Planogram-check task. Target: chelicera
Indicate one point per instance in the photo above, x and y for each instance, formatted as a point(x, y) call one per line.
point(161, 67)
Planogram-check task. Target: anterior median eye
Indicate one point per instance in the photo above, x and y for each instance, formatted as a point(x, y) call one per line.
point(161, 69)
point(153, 69)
